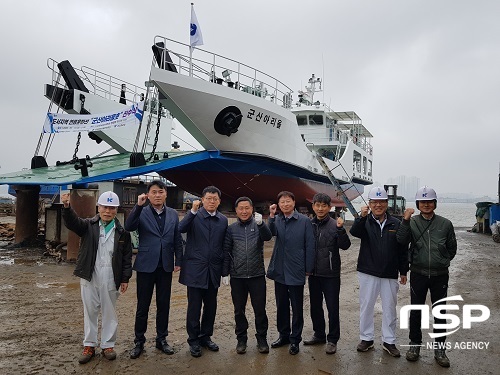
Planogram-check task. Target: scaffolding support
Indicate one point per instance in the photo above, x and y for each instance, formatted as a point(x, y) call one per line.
point(337, 185)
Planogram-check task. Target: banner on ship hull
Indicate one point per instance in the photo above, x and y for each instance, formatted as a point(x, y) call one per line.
point(64, 122)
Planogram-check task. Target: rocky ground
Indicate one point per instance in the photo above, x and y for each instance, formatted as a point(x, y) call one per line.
point(7, 227)
point(42, 324)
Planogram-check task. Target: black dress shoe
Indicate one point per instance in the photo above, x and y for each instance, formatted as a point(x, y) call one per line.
point(280, 342)
point(164, 347)
point(136, 350)
point(315, 340)
point(210, 345)
point(195, 350)
point(294, 349)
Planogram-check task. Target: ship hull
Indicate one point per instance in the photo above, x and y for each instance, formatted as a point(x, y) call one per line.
point(257, 177)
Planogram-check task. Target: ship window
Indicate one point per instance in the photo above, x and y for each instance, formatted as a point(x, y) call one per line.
point(330, 123)
point(357, 161)
point(369, 168)
point(301, 120)
point(316, 120)
point(327, 153)
point(364, 164)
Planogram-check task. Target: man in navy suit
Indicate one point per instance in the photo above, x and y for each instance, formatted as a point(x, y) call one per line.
point(292, 260)
point(159, 243)
point(202, 267)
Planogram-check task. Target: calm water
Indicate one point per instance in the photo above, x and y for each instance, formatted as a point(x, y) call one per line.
point(461, 214)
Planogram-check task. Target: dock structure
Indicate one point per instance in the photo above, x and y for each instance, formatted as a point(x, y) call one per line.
point(27, 213)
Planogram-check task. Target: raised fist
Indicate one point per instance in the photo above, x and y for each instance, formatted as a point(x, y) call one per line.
point(408, 212)
point(141, 199)
point(340, 222)
point(65, 199)
point(258, 218)
point(196, 205)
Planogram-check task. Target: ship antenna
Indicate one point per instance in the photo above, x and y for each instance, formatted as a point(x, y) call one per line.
point(323, 75)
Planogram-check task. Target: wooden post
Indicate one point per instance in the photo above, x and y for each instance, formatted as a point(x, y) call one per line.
point(27, 197)
point(83, 201)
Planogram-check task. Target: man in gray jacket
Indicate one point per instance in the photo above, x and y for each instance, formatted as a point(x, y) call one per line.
point(244, 261)
point(432, 246)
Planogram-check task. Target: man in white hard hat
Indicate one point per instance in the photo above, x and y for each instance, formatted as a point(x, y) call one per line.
point(104, 266)
point(433, 245)
point(381, 260)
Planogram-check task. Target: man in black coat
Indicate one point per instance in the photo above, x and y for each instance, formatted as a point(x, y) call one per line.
point(244, 261)
point(325, 281)
point(381, 260)
point(202, 267)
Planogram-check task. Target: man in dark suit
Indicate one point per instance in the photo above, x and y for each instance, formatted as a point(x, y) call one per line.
point(202, 267)
point(159, 241)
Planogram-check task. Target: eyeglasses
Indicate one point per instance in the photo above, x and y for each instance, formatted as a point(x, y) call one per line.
point(378, 203)
point(211, 199)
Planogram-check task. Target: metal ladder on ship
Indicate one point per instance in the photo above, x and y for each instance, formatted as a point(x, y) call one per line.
point(337, 185)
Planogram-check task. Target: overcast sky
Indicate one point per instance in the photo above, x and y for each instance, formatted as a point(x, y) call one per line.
point(424, 75)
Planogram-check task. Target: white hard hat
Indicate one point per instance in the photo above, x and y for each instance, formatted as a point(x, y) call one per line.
point(377, 193)
point(108, 198)
point(425, 194)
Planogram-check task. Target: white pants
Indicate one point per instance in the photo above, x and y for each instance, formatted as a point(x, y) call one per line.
point(97, 298)
point(369, 289)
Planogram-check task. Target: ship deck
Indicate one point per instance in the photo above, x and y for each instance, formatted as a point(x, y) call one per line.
point(105, 168)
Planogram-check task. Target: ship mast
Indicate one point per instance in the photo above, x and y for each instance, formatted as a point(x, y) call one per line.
point(311, 88)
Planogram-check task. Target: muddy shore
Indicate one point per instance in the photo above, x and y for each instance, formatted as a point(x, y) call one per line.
point(42, 324)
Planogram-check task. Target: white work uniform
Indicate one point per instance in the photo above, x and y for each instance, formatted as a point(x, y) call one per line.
point(370, 287)
point(100, 293)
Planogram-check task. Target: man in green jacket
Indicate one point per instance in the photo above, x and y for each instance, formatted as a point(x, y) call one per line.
point(432, 245)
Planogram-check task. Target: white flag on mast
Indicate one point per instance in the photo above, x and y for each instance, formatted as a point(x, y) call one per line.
point(196, 39)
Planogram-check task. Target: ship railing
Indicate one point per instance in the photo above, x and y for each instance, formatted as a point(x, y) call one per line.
point(333, 136)
point(109, 87)
point(218, 69)
point(329, 134)
point(325, 136)
point(363, 143)
point(101, 84)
